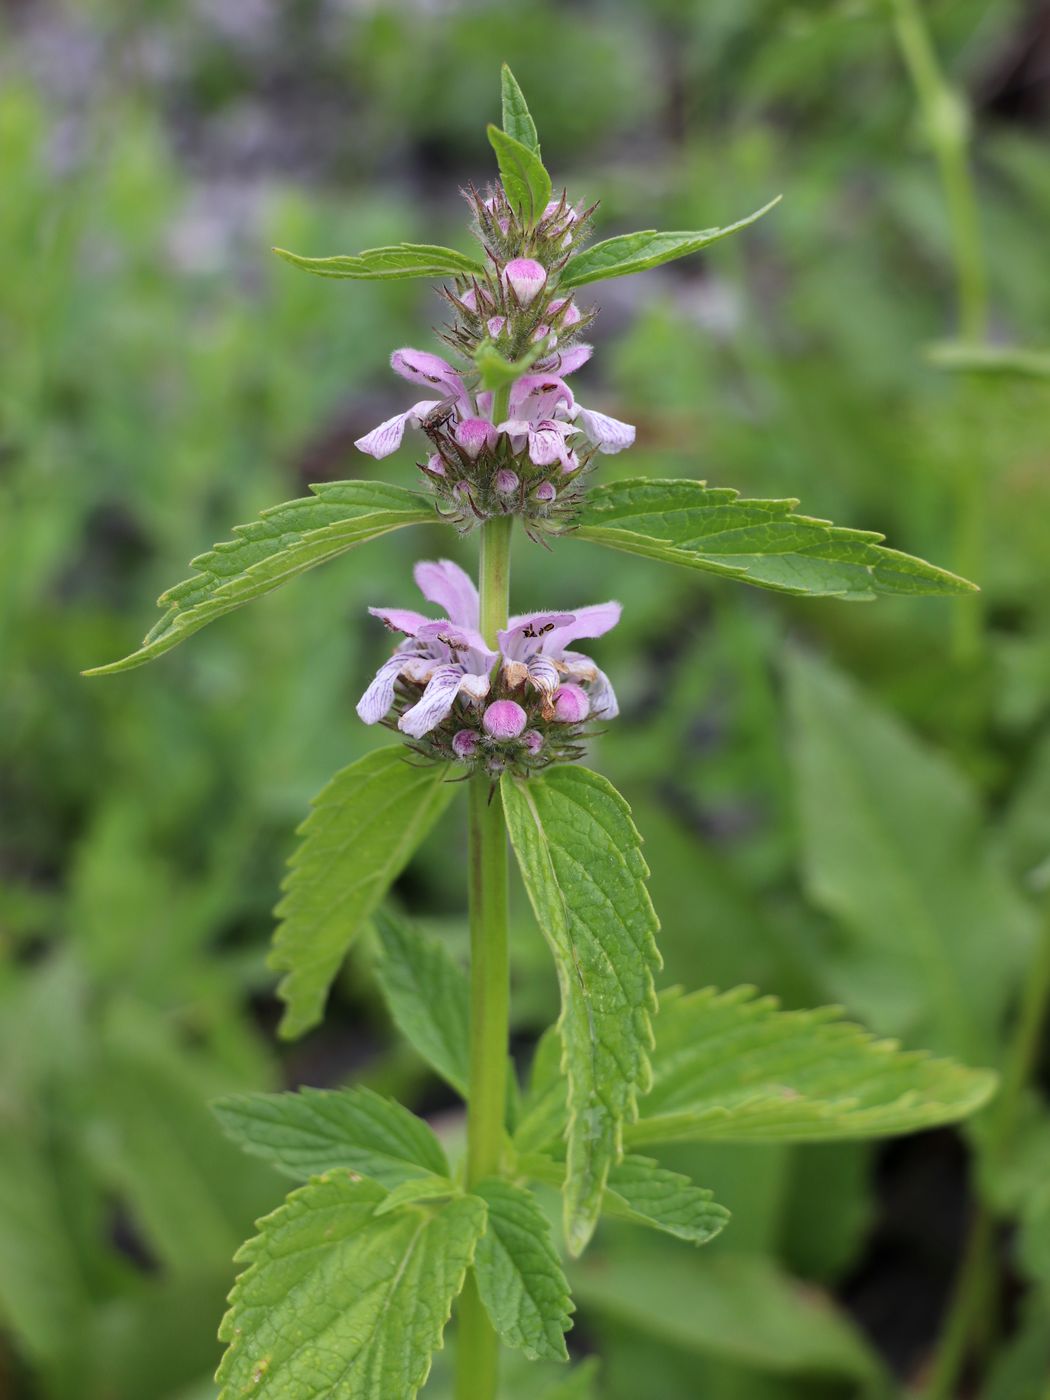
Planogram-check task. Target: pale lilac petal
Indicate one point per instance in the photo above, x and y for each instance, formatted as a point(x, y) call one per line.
point(524, 635)
point(401, 619)
point(547, 443)
point(593, 621)
point(539, 396)
point(462, 645)
point(526, 278)
point(609, 434)
point(421, 367)
point(434, 704)
point(385, 439)
point(543, 674)
point(516, 427)
point(450, 588)
point(484, 400)
point(474, 436)
point(568, 361)
point(379, 696)
point(578, 667)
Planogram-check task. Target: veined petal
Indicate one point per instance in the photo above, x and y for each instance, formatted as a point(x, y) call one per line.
point(609, 434)
point(385, 439)
point(401, 619)
point(434, 704)
point(540, 396)
point(567, 361)
point(462, 646)
point(578, 667)
point(453, 590)
point(421, 367)
point(543, 674)
point(525, 635)
point(593, 621)
point(379, 696)
point(547, 443)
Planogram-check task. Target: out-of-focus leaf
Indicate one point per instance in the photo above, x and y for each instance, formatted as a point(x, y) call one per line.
point(579, 1385)
point(517, 119)
point(314, 1130)
point(399, 261)
point(759, 542)
point(1020, 1370)
point(635, 252)
point(284, 542)
point(341, 1302)
point(524, 177)
point(421, 1190)
point(519, 1278)
point(894, 849)
point(581, 862)
point(362, 831)
point(496, 371)
point(648, 1194)
point(1009, 360)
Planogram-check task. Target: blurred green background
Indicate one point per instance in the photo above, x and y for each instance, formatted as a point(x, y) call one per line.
point(163, 377)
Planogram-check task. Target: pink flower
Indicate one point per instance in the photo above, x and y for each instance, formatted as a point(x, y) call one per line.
point(544, 412)
point(475, 435)
point(447, 656)
point(571, 705)
point(420, 367)
point(526, 278)
point(535, 649)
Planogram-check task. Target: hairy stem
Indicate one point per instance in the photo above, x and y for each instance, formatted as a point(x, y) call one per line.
point(947, 123)
point(477, 1363)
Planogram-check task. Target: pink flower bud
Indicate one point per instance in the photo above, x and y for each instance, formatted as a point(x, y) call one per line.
point(495, 325)
point(464, 743)
point(474, 435)
point(545, 491)
point(571, 705)
point(506, 481)
point(540, 333)
point(461, 490)
point(569, 311)
point(533, 740)
point(504, 719)
point(526, 279)
point(435, 464)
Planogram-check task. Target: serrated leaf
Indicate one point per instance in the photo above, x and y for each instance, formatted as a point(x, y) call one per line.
point(422, 1190)
point(517, 119)
point(312, 1131)
point(636, 252)
point(519, 1278)
point(758, 542)
point(581, 862)
point(641, 1190)
point(400, 260)
point(524, 177)
point(934, 935)
point(361, 833)
point(284, 542)
point(340, 1303)
point(730, 1066)
point(428, 995)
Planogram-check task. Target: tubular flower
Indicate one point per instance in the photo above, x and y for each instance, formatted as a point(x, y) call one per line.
point(535, 652)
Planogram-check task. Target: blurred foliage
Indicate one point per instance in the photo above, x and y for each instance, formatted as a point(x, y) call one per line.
point(164, 377)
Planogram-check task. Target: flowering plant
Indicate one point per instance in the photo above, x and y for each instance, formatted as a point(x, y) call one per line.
point(348, 1286)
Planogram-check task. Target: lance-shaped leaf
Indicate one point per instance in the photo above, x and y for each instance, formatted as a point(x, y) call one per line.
point(399, 261)
point(517, 119)
point(284, 542)
point(635, 252)
point(313, 1131)
point(518, 1275)
point(933, 935)
point(524, 177)
point(339, 1302)
point(732, 1067)
point(428, 995)
point(759, 542)
point(359, 836)
point(581, 861)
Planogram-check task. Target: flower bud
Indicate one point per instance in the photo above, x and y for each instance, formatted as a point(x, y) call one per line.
point(568, 310)
point(540, 333)
point(507, 482)
point(504, 719)
point(474, 435)
point(533, 740)
point(571, 705)
point(526, 279)
point(435, 464)
point(495, 325)
point(545, 491)
point(464, 743)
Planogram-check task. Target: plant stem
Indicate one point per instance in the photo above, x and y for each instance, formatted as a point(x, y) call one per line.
point(477, 1361)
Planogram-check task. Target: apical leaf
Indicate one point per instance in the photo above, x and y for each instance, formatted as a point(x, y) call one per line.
point(517, 119)
point(641, 1190)
point(496, 371)
point(525, 180)
point(635, 252)
point(312, 1131)
point(581, 861)
point(894, 848)
point(428, 995)
point(519, 1278)
point(419, 1191)
point(729, 1066)
point(361, 833)
point(389, 264)
point(284, 542)
point(340, 1303)
point(759, 542)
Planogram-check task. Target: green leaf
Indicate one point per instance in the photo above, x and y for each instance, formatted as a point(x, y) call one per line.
point(496, 371)
point(642, 1191)
point(732, 1067)
point(340, 1303)
point(310, 1132)
point(399, 261)
point(934, 935)
point(579, 1385)
point(519, 1278)
point(420, 1191)
point(759, 542)
point(1011, 361)
point(581, 861)
point(284, 542)
point(635, 252)
point(428, 995)
point(525, 180)
point(361, 833)
point(517, 119)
